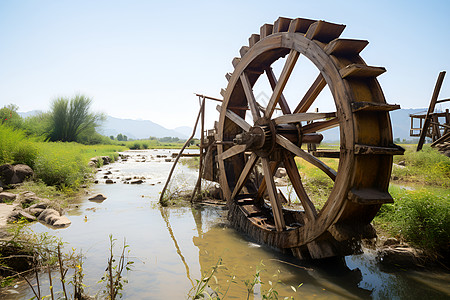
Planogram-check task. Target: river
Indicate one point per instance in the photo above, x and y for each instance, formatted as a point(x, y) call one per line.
point(172, 247)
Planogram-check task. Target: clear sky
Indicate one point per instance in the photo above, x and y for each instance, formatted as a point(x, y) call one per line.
point(146, 59)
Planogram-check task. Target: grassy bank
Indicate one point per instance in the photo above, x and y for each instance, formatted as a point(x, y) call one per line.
point(154, 144)
point(63, 165)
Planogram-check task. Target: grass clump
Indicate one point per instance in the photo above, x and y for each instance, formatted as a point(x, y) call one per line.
point(429, 167)
point(420, 217)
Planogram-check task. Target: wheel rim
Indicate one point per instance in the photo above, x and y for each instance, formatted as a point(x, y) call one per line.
point(356, 172)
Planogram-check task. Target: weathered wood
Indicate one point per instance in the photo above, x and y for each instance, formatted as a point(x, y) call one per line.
point(311, 94)
point(370, 106)
point(276, 205)
point(245, 174)
point(324, 32)
point(235, 61)
point(300, 25)
point(327, 153)
point(369, 196)
point(345, 47)
point(234, 150)
point(377, 150)
point(281, 25)
point(361, 70)
point(278, 90)
point(265, 30)
point(302, 117)
point(243, 50)
point(321, 125)
point(273, 83)
point(427, 121)
point(235, 118)
point(250, 97)
point(254, 38)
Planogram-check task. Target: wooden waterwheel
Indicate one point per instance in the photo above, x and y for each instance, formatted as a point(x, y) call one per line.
point(251, 137)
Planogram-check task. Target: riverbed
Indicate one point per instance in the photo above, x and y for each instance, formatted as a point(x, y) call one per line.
point(172, 247)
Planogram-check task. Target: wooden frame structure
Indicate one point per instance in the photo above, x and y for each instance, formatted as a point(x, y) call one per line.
point(434, 125)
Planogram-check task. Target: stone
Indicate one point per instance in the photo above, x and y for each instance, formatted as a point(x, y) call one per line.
point(109, 181)
point(97, 198)
point(139, 181)
point(106, 160)
point(7, 197)
point(23, 172)
point(62, 221)
point(7, 175)
point(390, 242)
point(401, 163)
point(401, 256)
point(168, 159)
point(17, 214)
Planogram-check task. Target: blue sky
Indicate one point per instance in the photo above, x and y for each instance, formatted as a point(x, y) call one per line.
point(146, 59)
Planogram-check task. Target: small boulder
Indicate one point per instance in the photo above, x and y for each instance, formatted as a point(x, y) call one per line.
point(402, 163)
point(109, 181)
point(62, 221)
point(139, 181)
point(23, 172)
point(281, 172)
point(97, 198)
point(7, 197)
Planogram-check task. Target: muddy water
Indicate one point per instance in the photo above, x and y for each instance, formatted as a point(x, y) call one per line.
point(172, 247)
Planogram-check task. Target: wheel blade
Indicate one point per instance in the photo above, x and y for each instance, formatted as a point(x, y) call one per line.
point(294, 176)
point(234, 150)
point(244, 174)
point(311, 94)
point(278, 90)
point(275, 203)
point(235, 118)
point(250, 97)
point(262, 188)
point(273, 83)
point(285, 143)
point(302, 117)
point(320, 126)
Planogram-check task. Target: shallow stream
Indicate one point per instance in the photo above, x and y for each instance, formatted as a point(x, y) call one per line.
point(172, 247)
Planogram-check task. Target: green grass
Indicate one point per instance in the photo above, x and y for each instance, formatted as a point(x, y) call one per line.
point(153, 144)
point(420, 217)
point(63, 165)
point(427, 167)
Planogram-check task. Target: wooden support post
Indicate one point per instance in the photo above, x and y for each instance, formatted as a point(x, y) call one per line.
point(202, 136)
point(427, 121)
point(179, 155)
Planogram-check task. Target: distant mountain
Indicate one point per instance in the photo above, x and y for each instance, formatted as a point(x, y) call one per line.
point(188, 131)
point(137, 129)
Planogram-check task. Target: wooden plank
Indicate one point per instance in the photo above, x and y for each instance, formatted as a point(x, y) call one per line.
point(361, 70)
point(285, 143)
point(300, 25)
point(376, 150)
point(276, 205)
point(345, 47)
point(311, 94)
point(284, 77)
point(426, 124)
point(235, 118)
point(228, 76)
point(443, 100)
point(236, 61)
point(232, 151)
point(246, 201)
point(265, 30)
point(281, 25)
point(253, 39)
point(302, 117)
point(273, 83)
point(371, 106)
point(243, 177)
point(223, 92)
point(294, 176)
point(324, 31)
point(320, 126)
point(243, 50)
point(327, 153)
point(369, 196)
point(251, 210)
point(250, 97)
point(443, 138)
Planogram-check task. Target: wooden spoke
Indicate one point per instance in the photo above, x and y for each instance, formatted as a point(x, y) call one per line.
point(250, 97)
point(262, 188)
point(232, 151)
point(294, 176)
point(273, 83)
point(285, 143)
point(275, 203)
point(278, 90)
point(244, 175)
point(311, 94)
point(301, 117)
point(320, 126)
point(235, 118)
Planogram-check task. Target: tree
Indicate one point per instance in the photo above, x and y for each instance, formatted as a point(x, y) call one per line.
point(9, 115)
point(70, 117)
point(111, 137)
